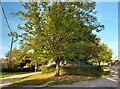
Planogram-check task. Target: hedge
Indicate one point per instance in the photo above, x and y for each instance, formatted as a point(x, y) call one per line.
point(49, 69)
point(85, 70)
point(18, 70)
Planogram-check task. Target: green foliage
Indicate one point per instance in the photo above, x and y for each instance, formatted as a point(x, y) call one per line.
point(96, 71)
point(59, 31)
point(53, 66)
point(20, 58)
point(18, 70)
point(117, 62)
point(46, 69)
point(15, 35)
point(104, 53)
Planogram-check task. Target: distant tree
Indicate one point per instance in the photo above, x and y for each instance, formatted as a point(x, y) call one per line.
point(117, 62)
point(20, 58)
point(105, 53)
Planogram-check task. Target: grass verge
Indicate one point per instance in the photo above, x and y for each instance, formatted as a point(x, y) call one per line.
point(5, 74)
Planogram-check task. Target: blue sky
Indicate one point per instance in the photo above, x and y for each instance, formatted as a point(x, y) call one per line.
point(107, 14)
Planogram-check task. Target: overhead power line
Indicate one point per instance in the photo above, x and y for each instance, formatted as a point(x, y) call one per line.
point(5, 17)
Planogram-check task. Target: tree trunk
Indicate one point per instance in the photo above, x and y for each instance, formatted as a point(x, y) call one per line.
point(57, 69)
point(99, 63)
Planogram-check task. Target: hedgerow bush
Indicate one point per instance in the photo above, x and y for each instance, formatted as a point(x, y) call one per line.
point(49, 69)
point(18, 70)
point(84, 70)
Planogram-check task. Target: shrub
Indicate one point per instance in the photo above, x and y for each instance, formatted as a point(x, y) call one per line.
point(47, 69)
point(84, 70)
point(18, 70)
point(53, 66)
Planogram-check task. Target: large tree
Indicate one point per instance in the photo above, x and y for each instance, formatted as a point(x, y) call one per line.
point(59, 31)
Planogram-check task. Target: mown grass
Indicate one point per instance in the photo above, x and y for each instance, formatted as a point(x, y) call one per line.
point(5, 74)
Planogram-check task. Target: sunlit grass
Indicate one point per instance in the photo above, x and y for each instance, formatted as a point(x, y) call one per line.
point(105, 69)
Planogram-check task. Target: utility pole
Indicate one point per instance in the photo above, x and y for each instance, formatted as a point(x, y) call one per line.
point(11, 34)
point(10, 54)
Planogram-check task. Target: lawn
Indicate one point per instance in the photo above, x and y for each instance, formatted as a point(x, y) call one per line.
point(5, 74)
point(50, 79)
